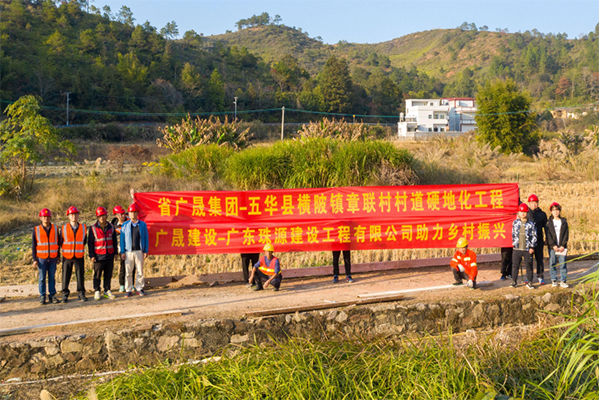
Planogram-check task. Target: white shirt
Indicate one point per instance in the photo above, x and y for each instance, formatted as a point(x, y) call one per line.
point(557, 224)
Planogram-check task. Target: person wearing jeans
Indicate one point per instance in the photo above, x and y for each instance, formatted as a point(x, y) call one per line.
point(524, 238)
point(46, 254)
point(347, 266)
point(134, 250)
point(557, 233)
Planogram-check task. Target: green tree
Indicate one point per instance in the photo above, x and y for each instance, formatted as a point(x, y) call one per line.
point(216, 91)
point(25, 136)
point(503, 117)
point(335, 85)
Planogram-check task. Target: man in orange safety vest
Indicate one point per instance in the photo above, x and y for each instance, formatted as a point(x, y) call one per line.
point(46, 254)
point(464, 264)
point(73, 235)
point(266, 271)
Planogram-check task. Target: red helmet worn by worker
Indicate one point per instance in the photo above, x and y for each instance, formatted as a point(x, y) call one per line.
point(101, 211)
point(555, 204)
point(134, 208)
point(44, 212)
point(72, 210)
point(533, 197)
point(119, 210)
point(523, 207)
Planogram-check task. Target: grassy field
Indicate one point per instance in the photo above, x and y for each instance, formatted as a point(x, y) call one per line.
point(536, 362)
point(89, 185)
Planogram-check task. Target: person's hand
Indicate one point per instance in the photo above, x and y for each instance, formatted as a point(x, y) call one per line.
point(145, 255)
point(93, 259)
point(123, 257)
point(266, 285)
point(531, 251)
point(562, 248)
point(250, 280)
point(35, 263)
point(555, 248)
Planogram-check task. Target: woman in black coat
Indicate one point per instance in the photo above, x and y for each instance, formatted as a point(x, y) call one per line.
point(557, 234)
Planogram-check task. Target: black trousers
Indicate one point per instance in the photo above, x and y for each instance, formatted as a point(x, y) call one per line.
point(506, 253)
point(459, 276)
point(539, 259)
point(248, 261)
point(336, 262)
point(104, 267)
point(123, 273)
point(260, 277)
point(67, 271)
point(517, 256)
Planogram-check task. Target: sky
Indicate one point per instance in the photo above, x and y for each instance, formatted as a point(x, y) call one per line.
point(368, 21)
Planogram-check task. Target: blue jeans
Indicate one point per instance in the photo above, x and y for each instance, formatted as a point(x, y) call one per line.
point(561, 264)
point(47, 266)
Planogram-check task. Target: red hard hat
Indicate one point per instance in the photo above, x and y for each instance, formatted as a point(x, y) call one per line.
point(101, 211)
point(44, 212)
point(134, 207)
point(523, 207)
point(72, 210)
point(533, 197)
point(555, 204)
point(119, 210)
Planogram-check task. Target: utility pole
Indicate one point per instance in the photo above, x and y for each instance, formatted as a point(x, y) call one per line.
point(68, 93)
point(235, 112)
point(282, 120)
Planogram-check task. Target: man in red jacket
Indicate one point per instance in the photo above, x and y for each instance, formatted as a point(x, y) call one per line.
point(464, 264)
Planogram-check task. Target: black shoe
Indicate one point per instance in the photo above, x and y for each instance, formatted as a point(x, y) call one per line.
point(276, 289)
point(42, 300)
point(457, 283)
point(82, 298)
point(65, 299)
point(513, 285)
point(53, 299)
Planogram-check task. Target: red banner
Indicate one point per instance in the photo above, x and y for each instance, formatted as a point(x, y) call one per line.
point(329, 218)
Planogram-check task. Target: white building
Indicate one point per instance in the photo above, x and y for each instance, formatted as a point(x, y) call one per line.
point(437, 115)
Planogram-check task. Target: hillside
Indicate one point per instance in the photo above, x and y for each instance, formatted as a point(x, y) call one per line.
point(117, 70)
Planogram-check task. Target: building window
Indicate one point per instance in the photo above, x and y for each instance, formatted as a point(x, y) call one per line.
point(435, 129)
point(429, 116)
point(428, 129)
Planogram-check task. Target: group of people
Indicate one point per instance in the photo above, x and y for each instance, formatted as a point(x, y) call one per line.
point(531, 231)
point(125, 239)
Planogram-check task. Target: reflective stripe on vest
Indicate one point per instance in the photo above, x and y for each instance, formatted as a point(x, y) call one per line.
point(103, 243)
point(46, 247)
point(73, 244)
point(263, 266)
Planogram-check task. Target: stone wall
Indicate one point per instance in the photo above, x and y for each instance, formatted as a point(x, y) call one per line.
point(60, 355)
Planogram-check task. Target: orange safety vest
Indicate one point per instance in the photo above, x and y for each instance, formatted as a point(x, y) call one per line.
point(73, 244)
point(46, 247)
point(263, 265)
point(103, 243)
point(120, 226)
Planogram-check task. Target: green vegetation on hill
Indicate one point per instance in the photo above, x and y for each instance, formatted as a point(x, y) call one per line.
point(124, 70)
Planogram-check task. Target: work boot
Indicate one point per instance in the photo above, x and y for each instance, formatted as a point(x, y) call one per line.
point(82, 297)
point(65, 298)
point(53, 299)
point(457, 283)
point(42, 300)
point(256, 288)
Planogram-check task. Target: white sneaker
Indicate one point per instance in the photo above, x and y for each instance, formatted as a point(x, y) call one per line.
point(529, 285)
point(564, 285)
point(97, 296)
point(109, 295)
point(554, 284)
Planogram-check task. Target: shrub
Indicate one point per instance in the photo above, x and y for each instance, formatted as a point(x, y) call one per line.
point(193, 132)
point(199, 162)
point(135, 155)
point(320, 162)
point(336, 129)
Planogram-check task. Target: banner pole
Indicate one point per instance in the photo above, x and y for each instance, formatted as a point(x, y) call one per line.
point(282, 121)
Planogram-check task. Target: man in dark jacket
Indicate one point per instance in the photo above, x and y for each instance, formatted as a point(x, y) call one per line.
point(102, 247)
point(557, 234)
point(540, 219)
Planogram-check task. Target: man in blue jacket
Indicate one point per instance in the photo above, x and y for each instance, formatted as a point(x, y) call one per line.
point(134, 250)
